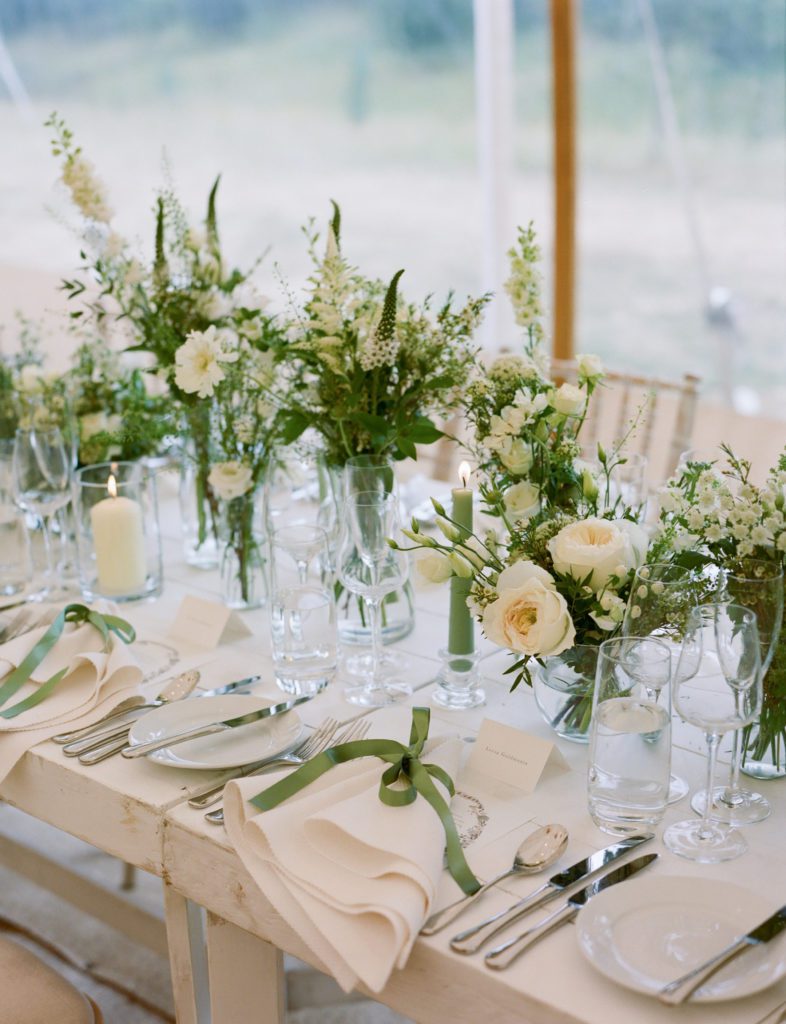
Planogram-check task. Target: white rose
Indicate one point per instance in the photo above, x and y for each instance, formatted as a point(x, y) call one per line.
point(568, 400)
point(600, 547)
point(30, 378)
point(516, 456)
point(522, 500)
point(92, 423)
point(230, 479)
point(589, 366)
point(433, 567)
point(529, 615)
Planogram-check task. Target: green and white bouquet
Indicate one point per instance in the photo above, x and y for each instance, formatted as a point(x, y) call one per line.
point(371, 372)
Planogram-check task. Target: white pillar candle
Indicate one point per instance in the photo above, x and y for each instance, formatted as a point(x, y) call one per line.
point(119, 543)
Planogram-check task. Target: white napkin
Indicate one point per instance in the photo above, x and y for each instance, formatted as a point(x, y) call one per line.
point(353, 877)
point(96, 681)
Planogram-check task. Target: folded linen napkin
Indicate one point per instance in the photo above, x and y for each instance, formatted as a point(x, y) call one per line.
point(354, 877)
point(99, 677)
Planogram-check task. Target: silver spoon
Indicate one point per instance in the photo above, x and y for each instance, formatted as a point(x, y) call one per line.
point(176, 689)
point(541, 848)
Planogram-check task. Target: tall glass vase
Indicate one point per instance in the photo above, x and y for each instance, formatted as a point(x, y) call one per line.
point(199, 506)
point(242, 562)
point(764, 742)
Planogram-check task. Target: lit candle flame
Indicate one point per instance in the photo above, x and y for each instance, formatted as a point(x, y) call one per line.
point(464, 471)
point(111, 486)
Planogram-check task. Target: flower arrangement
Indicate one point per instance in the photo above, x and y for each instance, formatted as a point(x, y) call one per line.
point(712, 514)
point(371, 371)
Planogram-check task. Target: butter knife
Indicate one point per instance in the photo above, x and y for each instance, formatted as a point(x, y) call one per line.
point(141, 749)
point(504, 955)
point(681, 989)
point(471, 940)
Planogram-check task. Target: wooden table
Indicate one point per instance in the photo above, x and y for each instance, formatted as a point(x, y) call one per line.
point(225, 940)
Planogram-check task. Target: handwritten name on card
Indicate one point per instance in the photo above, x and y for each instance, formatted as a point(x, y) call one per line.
point(512, 756)
point(204, 623)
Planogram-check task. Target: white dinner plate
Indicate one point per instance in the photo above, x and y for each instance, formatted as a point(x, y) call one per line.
point(648, 932)
point(265, 738)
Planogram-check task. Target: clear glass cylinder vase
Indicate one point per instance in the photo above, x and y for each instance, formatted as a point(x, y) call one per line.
point(764, 742)
point(563, 690)
point(242, 558)
point(199, 506)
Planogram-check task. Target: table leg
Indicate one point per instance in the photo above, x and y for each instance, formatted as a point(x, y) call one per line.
point(247, 984)
point(187, 958)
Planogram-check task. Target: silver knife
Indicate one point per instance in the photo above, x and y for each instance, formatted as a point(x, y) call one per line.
point(109, 729)
point(140, 749)
point(678, 991)
point(472, 939)
point(504, 955)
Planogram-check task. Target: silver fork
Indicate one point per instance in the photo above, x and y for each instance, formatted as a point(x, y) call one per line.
point(354, 731)
point(306, 748)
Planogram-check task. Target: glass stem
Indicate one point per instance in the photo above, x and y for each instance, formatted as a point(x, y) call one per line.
point(375, 626)
point(705, 829)
point(302, 572)
point(733, 795)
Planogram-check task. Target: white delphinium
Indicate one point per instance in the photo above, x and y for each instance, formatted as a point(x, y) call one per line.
point(87, 191)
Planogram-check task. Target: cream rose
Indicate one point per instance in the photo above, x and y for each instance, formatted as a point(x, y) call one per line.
point(230, 479)
point(589, 366)
point(568, 400)
point(529, 615)
point(598, 548)
point(522, 500)
point(515, 455)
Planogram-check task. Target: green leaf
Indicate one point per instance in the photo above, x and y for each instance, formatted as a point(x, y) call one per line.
point(407, 448)
point(374, 424)
point(423, 431)
point(292, 426)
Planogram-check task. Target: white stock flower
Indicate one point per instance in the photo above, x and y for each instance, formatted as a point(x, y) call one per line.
point(529, 615)
point(230, 479)
point(522, 500)
point(590, 366)
point(568, 400)
point(598, 548)
point(198, 362)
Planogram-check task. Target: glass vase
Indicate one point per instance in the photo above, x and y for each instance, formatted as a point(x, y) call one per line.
point(199, 506)
point(563, 691)
point(242, 562)
point(764, 742)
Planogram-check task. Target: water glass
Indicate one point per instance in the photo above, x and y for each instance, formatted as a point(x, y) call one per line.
point(630, 735)
point(302, 612)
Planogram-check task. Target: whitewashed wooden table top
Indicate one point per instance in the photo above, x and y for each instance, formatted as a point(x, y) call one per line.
point(138, 811)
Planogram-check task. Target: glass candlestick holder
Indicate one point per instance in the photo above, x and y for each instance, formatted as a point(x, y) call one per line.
point(459, 682)
point(117, 535)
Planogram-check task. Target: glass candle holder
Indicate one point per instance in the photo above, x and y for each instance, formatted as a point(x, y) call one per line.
point(117, 534)
point(459, 682)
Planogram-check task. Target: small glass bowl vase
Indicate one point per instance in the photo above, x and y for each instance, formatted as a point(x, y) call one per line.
point(118, 543)
point(563, 691)
point(242, 560)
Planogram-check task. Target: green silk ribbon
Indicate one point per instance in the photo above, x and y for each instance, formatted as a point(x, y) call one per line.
point(405, 767)
point(77, 613)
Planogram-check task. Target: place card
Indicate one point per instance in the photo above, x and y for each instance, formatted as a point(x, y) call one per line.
point(205, 624)
point(512, 756)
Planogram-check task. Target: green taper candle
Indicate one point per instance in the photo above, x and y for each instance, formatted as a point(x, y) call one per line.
point(461, 630)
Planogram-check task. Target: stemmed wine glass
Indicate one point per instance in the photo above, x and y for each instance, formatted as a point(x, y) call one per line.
point(42, 469)
point(717, 687)
point(661, 599)
point(371, 569)
point(756, 584)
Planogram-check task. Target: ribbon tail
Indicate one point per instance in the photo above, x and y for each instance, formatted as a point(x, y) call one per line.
point(30, 663)
point(39, 695)
point(457, 863)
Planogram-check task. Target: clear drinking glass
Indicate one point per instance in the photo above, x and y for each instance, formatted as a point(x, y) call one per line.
point(630, 735)
point(717, 687)
point(371, 569)
point(42, 468)
point(756, 584)
point(661, 599)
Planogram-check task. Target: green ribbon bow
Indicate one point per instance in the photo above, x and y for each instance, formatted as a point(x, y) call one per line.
point(78, 613)
point(405, 767)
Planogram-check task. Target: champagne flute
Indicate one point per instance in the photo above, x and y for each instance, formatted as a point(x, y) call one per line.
point(371, 569)
point(717, 687)
point(42, 469)
point(756, 584)
point(661, 599)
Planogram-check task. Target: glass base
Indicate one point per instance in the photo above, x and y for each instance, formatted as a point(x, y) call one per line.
point(378, 695)
point(717, 843)
point(678, 789)
point(764, 770)
point(302, 687)
point(389, 663)
point(201, 556)
point(458, 682)
point(747, 809)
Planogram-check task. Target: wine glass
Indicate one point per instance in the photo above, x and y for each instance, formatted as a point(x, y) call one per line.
point(661, 599)
point(756, 584)
point(301, 490)
point(371, 569)
point(717, 687)
point(42, 469)
point(302, 543)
